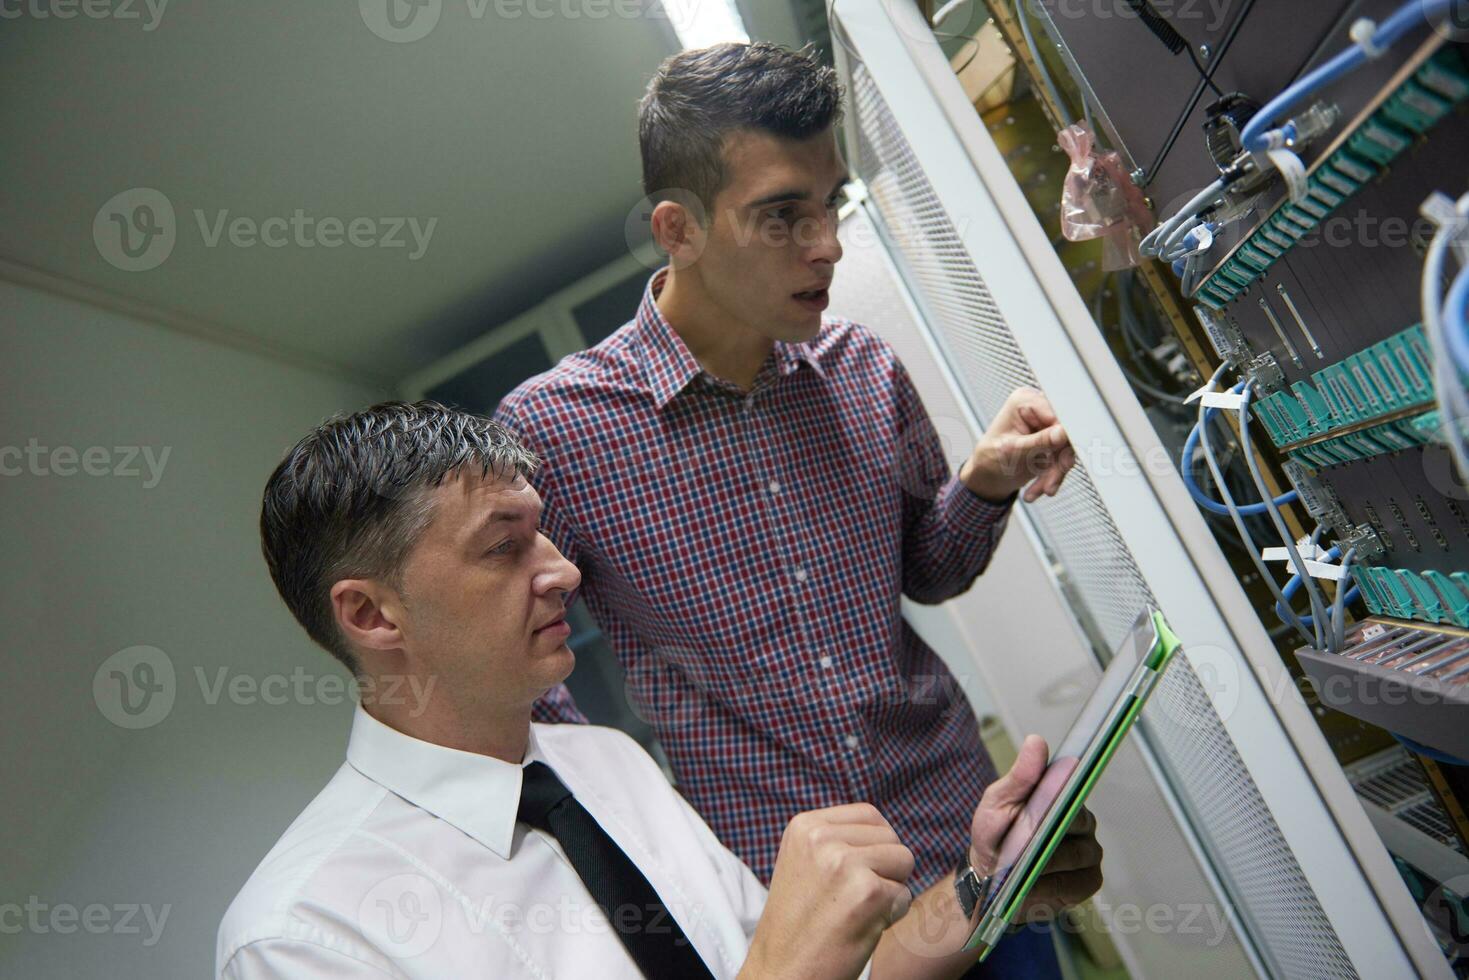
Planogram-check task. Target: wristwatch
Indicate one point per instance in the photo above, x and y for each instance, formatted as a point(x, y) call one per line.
point(970, 886)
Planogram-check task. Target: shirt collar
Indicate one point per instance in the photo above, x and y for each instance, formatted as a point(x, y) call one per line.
point(477, 794)
point(669, 363)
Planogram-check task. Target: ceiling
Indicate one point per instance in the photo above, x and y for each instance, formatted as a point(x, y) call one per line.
point(299, 150)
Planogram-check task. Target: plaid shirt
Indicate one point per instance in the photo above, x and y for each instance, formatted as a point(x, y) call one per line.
point(744, 552)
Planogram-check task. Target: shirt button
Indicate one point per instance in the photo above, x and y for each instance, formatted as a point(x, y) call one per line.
point(775, 486)
point(851, 741)
point(800, 574)
point(825, 662)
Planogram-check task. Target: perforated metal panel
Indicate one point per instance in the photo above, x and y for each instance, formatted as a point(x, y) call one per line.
point(1239, 835)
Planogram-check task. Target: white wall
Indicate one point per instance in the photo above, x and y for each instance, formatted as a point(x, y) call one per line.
point(172, 816)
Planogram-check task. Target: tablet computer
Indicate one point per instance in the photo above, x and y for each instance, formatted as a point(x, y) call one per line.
point(1075, 766)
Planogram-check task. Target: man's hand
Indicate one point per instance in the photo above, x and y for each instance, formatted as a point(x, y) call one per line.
point(1024, 444)
point(1074, 872)
point(839, 881)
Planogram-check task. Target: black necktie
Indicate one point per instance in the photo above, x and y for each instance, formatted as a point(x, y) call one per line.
point(656, 943)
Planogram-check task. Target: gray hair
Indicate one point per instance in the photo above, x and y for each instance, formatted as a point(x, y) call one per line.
point(351, 499)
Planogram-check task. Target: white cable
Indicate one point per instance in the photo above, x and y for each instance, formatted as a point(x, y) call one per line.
point(1453, 403)
point(1202, 200)
point(1339, 606)
point(1318, 601)
point(1239, 522)
point(946, 10)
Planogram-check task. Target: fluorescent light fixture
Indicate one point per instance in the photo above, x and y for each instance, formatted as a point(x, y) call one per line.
point(700, 23)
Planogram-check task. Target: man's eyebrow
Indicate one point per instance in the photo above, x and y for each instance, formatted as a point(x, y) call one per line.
point(794, 194)
point(499, 517)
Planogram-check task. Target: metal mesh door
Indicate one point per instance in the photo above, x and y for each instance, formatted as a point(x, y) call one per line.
point(1099, 573)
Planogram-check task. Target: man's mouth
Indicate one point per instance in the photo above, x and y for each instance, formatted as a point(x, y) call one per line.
point(813, 298)
point(557, 623)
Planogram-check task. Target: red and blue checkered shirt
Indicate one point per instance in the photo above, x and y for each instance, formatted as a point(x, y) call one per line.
point(744, 551)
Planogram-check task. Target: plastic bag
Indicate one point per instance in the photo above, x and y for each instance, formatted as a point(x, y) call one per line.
point(1099, 200)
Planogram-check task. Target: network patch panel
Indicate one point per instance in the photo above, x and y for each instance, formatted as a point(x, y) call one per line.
point(1415, 107)
point(1378, 400)
point(1430, 596)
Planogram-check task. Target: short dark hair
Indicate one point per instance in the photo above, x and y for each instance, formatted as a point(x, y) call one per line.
point(351, 499)
point(698, 97)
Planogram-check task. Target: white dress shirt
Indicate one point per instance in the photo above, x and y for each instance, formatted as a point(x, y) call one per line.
point(410, 863)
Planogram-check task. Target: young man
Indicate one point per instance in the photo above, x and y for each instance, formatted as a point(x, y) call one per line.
point(461, 840)
point(749, 488)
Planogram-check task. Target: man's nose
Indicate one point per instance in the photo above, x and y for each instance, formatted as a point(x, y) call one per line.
point(827, 248)
point(557, 574)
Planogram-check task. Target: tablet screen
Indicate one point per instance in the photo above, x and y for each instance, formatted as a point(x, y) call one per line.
point(1089, 726)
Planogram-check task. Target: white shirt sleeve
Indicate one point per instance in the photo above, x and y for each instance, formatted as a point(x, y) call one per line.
point(290, 959)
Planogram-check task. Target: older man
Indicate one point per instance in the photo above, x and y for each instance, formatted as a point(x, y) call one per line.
point(459, 839)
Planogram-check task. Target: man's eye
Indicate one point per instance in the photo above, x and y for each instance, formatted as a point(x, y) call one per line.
point(780, 214)
point(503, 548)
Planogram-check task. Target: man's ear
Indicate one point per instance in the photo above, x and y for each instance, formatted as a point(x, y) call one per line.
point(369, 614)
point(677, 225)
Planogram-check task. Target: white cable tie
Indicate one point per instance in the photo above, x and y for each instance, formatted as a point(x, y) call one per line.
point(1317, 569)
point(1439, 208)
point(1229, 400)
point(1364, 34)
point(1280, 553)
point(1293, 171)
point(1204, 241)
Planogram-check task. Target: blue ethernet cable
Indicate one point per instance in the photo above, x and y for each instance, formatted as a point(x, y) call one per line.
point(1257, 135)
point(1191, 445)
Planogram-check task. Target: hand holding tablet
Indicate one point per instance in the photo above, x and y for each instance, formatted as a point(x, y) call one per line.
point(1049, 851)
